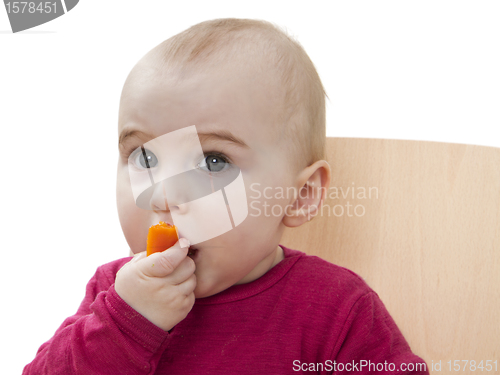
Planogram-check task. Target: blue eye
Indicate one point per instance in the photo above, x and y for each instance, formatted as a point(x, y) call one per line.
point(145, 158)
point(214, 163)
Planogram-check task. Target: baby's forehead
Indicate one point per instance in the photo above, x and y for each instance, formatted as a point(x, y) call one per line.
point(247, 68)
point(222, 95)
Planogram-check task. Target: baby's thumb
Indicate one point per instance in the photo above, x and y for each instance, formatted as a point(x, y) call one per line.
point(164, 263)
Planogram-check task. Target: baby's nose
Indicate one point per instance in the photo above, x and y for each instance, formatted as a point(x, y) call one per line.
point(158, 200)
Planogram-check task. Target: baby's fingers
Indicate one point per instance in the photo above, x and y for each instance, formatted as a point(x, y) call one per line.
point(138, 256)
point(164, 263)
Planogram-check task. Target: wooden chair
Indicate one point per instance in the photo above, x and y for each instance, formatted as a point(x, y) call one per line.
point(424, 233)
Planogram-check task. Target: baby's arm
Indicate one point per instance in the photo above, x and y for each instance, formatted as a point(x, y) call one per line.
point(107, 335)
point(371, 338)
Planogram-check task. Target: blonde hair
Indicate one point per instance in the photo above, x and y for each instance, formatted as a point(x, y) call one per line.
point(216, 40)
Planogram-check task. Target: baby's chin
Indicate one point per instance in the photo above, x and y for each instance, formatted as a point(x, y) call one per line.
point(202, 290)
point(202, 294)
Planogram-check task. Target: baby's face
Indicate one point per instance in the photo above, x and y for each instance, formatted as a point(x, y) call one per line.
point(223, 101)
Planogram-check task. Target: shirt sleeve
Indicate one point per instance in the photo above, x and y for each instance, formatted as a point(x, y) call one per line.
point(105, 336)
point(371, 343)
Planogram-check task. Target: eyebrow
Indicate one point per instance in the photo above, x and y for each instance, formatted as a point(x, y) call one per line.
point(222, 135)
point(132, 133)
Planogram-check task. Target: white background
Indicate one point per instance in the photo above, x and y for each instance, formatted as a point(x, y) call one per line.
point(426, 70)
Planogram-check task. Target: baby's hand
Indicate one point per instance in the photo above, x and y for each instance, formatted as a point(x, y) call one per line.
point(159, 287)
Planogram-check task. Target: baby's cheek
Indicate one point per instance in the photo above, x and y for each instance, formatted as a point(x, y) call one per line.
point(135, 229)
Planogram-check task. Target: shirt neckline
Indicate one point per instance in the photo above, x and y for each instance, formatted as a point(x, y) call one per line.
point(271, 277)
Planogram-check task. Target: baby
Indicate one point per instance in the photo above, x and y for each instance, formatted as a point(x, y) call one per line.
point(239, 303)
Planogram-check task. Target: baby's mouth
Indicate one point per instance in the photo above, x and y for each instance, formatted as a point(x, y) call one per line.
point(192, 251)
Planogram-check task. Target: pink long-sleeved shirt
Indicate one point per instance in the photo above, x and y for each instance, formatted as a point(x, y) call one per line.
point(305, 315)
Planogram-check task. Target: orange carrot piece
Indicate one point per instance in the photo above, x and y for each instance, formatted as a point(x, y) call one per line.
point(161, 237)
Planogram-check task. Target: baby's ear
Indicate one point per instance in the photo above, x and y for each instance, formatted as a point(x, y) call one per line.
point(312, 187)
